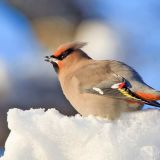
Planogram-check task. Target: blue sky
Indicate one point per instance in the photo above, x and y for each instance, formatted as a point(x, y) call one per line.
point(16, 34)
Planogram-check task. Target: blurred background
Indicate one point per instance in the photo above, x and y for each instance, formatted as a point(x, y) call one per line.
point(128, 31)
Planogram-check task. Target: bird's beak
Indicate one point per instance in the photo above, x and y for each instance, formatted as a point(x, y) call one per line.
point(52, 59)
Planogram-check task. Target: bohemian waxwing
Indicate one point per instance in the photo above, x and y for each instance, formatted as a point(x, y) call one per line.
point(102, 88)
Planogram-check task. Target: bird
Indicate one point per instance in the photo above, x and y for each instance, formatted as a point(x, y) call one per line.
point(102, 88)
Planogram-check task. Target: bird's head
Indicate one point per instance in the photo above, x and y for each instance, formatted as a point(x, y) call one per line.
point(60, 55)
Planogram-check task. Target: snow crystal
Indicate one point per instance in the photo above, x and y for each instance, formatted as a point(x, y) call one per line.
point(40, 135)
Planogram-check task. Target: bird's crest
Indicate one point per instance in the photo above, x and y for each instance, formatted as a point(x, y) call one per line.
point(69, 46)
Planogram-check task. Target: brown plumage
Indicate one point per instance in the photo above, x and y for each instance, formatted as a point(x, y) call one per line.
point(102, 88)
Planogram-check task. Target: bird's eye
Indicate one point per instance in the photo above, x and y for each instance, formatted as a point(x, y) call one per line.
point(65, 54)
point(62, 56)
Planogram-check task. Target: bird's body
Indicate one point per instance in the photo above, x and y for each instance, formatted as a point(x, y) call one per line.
point(104, 88)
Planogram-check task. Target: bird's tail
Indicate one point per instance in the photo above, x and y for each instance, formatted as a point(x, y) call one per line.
point(154, 96)
point(153, 103)
point(150, 98)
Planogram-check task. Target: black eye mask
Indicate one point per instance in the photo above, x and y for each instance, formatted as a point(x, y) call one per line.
point(60, 57)
point(65, 54)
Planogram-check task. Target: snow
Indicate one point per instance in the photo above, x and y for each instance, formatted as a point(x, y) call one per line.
point(40, 135)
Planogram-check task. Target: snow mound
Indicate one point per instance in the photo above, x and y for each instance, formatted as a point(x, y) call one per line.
point(40, 135)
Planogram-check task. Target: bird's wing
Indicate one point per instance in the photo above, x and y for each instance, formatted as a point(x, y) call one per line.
point(96, 79)
point(118, 87)
point(100, 82)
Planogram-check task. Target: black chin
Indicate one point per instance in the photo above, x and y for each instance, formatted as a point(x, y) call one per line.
point(55, 66)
